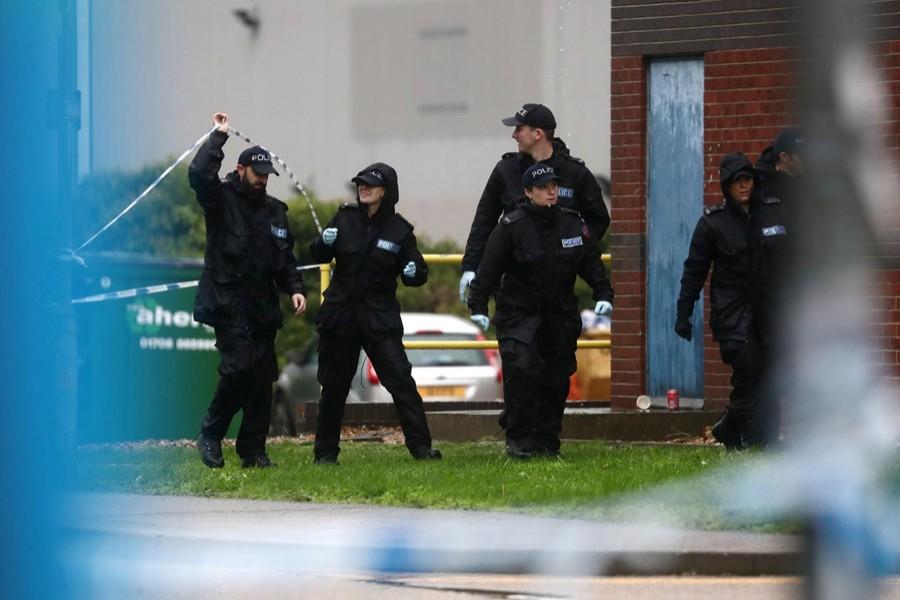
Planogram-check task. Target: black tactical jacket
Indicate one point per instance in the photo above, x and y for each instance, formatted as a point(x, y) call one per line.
point(249, 248)
point(746, 251)
point(369, 254)
point(578, 190)
point(530, 262)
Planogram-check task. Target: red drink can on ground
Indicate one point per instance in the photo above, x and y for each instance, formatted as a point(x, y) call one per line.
point(672, 400)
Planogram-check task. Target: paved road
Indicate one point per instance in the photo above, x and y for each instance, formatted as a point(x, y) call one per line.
point(176, 547)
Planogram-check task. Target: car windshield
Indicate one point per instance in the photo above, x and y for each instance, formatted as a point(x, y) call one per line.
point(444, 357)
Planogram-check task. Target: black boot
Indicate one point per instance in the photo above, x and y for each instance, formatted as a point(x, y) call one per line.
point(756, 432)
point(727, 431)
point(210, 452)
point(426, 453)
point(522, 450)
point(258, 461)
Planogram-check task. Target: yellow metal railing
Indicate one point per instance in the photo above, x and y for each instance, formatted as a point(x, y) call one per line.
point(325, 268)
point(325, 279)
point(457, 258)
point(487, 344)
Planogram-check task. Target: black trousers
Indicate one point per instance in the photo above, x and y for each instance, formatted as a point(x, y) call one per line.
point(753, 403)
point(536, 385)
point(338, 358)
point(246, 372)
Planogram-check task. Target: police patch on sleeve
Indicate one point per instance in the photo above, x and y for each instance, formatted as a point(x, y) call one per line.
point(565, 192)
point(279, 232)
point(775, 230)
point(572, 242)
point(389, 246)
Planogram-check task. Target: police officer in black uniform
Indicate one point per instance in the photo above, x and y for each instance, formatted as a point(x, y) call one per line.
point(249, 259)
point(530, 263)
point(372, 245)
point(780, 167)
point(744, 239)
point(578, 189)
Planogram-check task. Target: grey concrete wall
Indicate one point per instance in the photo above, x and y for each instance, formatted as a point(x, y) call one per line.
point(333, 86)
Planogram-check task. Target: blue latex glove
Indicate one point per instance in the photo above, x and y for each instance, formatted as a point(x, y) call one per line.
point(464, 282)
point(603, 308)
point(329, 235)
point(410, 269)
point(482, 321)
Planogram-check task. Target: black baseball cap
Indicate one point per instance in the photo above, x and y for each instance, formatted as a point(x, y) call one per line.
point(259, 159)
point(539, 174)
point(533, 115)
point(372, 177)
point(790, 140)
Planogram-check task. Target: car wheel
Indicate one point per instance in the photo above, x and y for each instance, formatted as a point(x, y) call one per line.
point(283, 421)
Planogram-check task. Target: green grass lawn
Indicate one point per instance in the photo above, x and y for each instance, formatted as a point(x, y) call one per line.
point(589, 480)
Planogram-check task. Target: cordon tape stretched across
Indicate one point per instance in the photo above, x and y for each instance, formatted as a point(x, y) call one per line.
point(144, 193)
point(184, 155)
point(152, 289)
point(287, 171)
point(155, 289)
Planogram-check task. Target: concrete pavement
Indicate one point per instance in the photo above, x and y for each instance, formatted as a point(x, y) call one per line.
point(129, 534)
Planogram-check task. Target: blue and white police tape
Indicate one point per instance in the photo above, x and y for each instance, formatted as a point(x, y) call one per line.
point(144, 193)
point(169, 169)
point(141, 291)
point(287, 171)
point(151, 289)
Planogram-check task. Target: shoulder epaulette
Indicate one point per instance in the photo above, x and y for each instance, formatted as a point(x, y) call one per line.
point(347, 205)
point(575, 158)
point(283, 205)
point(404, 221)
point(569, 211)
point(510, 218)
point(708, 210)
point(509, 154)
point(771, 200)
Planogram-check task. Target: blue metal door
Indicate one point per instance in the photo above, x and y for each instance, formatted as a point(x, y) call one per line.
point(675, 202)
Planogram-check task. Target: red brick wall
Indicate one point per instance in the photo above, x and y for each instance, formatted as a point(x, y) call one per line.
point(888, 65)
point(748, 99)
point(749, 96)
point(887, 322)
point(888, 300)
point(628, 167)
point(887, 293)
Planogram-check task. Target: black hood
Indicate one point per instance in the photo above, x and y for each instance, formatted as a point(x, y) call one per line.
point(391, 189)
point(731, 165)
point(560, 153)
point(559, 148)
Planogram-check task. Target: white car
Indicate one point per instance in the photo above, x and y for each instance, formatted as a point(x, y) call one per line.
point(470, 374)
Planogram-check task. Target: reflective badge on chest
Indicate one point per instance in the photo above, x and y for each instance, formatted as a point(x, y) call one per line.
point(564, 192)
point(389, 246)
point(774, 230)
point(572, 242)
point(279, 232)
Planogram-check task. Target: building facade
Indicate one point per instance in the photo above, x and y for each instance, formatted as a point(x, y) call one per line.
point(693, 81)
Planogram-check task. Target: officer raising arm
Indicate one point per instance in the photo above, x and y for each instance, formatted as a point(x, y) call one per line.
point(534, 133)
point(372, 245)
point(530, 262)
point(249, 259)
